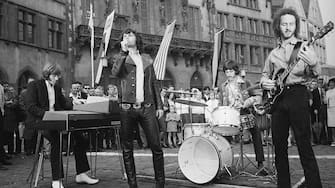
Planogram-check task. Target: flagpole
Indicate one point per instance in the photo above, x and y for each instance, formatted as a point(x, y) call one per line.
point(91, 24)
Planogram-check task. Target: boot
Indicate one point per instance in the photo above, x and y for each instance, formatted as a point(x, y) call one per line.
point(129, 164)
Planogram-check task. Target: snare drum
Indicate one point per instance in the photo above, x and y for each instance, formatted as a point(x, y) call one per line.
point(195, 129)
point(226, 116)
point(202, 158)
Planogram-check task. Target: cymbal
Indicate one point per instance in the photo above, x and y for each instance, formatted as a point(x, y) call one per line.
point(190, 102)
point(180, 92)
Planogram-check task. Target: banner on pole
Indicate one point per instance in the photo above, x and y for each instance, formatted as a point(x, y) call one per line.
point(217, 50)
point(160, 60)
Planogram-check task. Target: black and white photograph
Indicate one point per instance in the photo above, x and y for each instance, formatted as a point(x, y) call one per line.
point(167, 93)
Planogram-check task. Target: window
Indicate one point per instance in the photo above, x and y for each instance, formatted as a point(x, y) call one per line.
point(1, 18)
point(252, 25)
point(239, 53)
point(266, 27)
point(26, 26)
point(255, 55)
point(222, 20)
point(55, 34)
point(226, 50)
point(238, 23)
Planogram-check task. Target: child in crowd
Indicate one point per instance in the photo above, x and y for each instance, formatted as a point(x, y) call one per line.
point(172, 119)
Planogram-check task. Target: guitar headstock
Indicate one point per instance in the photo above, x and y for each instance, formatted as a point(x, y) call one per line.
point(323, 31)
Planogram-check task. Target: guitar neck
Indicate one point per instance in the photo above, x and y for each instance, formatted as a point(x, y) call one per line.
point(292, 65)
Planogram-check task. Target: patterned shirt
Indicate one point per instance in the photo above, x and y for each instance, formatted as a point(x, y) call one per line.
point(279, 58)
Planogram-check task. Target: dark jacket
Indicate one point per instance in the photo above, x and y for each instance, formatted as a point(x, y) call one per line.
point(37, 101)
point(124, 68)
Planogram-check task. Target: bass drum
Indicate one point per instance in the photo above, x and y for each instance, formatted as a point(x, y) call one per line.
point(202, 158)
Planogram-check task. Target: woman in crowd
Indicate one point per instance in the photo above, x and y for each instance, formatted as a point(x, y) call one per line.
point(330, 101)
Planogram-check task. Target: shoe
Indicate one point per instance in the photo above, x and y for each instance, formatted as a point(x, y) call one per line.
point(3, 168)
point(164, 146)
point(83, 178)
point(57, 184)
point(4, 162)
point(333, 144)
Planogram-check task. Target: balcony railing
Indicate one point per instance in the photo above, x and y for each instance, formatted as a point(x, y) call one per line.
point(149, 40)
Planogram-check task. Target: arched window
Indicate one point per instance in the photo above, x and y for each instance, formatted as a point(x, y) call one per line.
point(168, 80)
point(196, 81)
point(23, 79)
point(3, 75)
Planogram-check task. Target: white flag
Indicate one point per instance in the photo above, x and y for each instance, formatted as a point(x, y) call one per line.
point(106, 35)
point(108, 29)
point(160, 60)
point(216, 51)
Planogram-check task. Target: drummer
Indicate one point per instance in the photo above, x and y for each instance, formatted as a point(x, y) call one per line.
point(231, 95)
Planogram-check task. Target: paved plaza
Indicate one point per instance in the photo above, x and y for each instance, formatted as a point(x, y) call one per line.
point(108, 170)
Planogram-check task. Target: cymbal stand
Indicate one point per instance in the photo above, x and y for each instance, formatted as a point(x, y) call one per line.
point(270, 167)
point(240, 166)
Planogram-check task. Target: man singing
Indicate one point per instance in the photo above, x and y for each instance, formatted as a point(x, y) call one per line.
point(45, 95)
point(140, 103)
point(292, 107)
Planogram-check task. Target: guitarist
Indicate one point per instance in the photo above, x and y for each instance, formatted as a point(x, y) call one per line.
point(291, 109)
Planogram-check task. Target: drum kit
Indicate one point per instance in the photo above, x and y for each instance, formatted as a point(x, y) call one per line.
point(205, 153)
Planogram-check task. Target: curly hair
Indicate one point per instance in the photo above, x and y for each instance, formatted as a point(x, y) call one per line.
point(276, 21)
point(139, 42)
point(231, 64)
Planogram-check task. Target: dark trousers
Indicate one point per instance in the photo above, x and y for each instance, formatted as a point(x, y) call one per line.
point(79, 148)
point(257, 141)
point(2, 150)
point(292, 110)
point(9, 137)
point(145, 116)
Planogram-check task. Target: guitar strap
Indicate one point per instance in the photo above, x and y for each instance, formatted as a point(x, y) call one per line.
point(293, 57)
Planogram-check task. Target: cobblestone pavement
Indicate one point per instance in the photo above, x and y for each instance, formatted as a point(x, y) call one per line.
point(108, 170)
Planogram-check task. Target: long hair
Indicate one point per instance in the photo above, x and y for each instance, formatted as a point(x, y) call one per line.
point(139, 42)
point(276, 21)
point(50, 68)
point(231, 64)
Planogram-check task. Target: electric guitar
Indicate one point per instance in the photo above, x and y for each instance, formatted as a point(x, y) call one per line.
point(270, 98)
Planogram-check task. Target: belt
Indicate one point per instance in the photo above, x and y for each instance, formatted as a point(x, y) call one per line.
point(127, 106)
point(289, 86)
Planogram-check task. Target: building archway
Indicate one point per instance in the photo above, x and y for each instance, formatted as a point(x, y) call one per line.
point(3, 75)
point(25, 75)
point(168, 79)
point(196, 81)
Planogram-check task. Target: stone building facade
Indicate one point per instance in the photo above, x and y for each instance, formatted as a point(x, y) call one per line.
point(248, 37)
point(32, 33)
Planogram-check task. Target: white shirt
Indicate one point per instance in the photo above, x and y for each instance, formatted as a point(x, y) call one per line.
point(51, 95)
point(137, 58)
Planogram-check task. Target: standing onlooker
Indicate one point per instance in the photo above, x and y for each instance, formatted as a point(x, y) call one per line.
point(11, 120)
point(318, 116)
point(2, 113)
point(161, 121)
point(330, 101)
point(29, 135)
point(212, 104)
point(172, 119)
point(206, 93)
